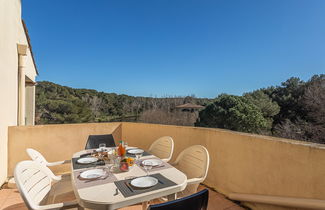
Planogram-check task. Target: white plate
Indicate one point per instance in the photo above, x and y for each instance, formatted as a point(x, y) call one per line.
point(135, 151)
point(87, 160)
point(93, 174)
point(155, 162)
point(142, 182)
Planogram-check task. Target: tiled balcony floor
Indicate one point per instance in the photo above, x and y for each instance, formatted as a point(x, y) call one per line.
point(10, 200)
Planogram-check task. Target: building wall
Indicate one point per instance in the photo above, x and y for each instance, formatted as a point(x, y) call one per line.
point(11, 34)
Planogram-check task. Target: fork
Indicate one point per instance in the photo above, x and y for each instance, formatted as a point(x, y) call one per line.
point(99, 178)
point(116, 192)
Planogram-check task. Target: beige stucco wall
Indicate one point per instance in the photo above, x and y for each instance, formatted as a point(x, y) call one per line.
point(11, 33)
point(55, 142)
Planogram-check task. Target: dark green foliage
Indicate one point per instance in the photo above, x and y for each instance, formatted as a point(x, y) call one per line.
point(60, 104)
point(288, 97)
point(296, 110)
point(306, 119)
point(55, 104)
point(234, 113)
point(265, 104)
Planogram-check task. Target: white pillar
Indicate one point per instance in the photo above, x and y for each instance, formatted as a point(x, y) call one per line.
point(22, 49)
point(29, 103)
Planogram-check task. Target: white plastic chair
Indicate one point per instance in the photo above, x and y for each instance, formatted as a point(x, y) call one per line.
point(194, 162)
point(39, 158)
point(163, 148)
point(34, 182)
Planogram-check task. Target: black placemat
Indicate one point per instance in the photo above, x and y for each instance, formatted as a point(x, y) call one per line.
point(145, 153)
point(128, 190)
point(81, 166)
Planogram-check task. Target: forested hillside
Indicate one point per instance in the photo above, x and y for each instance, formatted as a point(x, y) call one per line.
point(295, 109)
point(60, 104)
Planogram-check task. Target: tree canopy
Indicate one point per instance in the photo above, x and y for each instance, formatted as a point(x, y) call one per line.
point(295, 109)
point(234, 113)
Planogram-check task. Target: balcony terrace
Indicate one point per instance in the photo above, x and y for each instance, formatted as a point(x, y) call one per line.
point(263, 172)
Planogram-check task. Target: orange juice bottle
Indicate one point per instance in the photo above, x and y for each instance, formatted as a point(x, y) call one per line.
point(121, 149)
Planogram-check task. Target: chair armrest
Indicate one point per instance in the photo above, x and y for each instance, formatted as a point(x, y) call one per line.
point(194, 181)
point(56, 177)
point(165, 160)
point(58, 163)
point(70, 204)
point(55, 206)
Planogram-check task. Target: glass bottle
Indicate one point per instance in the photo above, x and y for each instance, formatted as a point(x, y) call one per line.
point(121, 149)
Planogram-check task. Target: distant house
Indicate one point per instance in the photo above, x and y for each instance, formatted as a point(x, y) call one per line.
point(188, 107)
point(18, 73)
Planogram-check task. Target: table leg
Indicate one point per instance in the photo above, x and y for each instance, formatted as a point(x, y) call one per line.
point(172, 197)
point(145, 205)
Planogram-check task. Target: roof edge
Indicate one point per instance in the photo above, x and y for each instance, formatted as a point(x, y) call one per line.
point(29, 44)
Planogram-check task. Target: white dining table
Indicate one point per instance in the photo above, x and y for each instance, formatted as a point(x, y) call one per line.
point(103, 196)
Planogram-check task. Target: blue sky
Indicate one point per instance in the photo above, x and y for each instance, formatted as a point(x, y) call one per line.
point(176, 47)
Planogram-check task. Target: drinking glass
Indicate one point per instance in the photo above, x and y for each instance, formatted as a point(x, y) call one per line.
point(102, 146)
point(108, 168)
point(147, 166)
point(117, 161)
point(137, 157)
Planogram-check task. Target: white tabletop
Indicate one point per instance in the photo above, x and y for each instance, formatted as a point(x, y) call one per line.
point(102, 196)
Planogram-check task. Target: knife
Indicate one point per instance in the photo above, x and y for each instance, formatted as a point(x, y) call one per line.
point(128, 186)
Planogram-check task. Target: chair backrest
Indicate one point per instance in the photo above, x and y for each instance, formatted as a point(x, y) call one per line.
point(197, 201)
point(163, 148)
point(33, 182)
point(36, 156)
point(94, 141)
point(194, 162)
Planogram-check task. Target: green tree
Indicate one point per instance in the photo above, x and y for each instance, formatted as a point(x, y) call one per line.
point(234, 113)
point(288, 97)
point(268, 107)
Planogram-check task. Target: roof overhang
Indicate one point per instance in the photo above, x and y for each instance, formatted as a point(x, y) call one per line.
point(29, 45)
